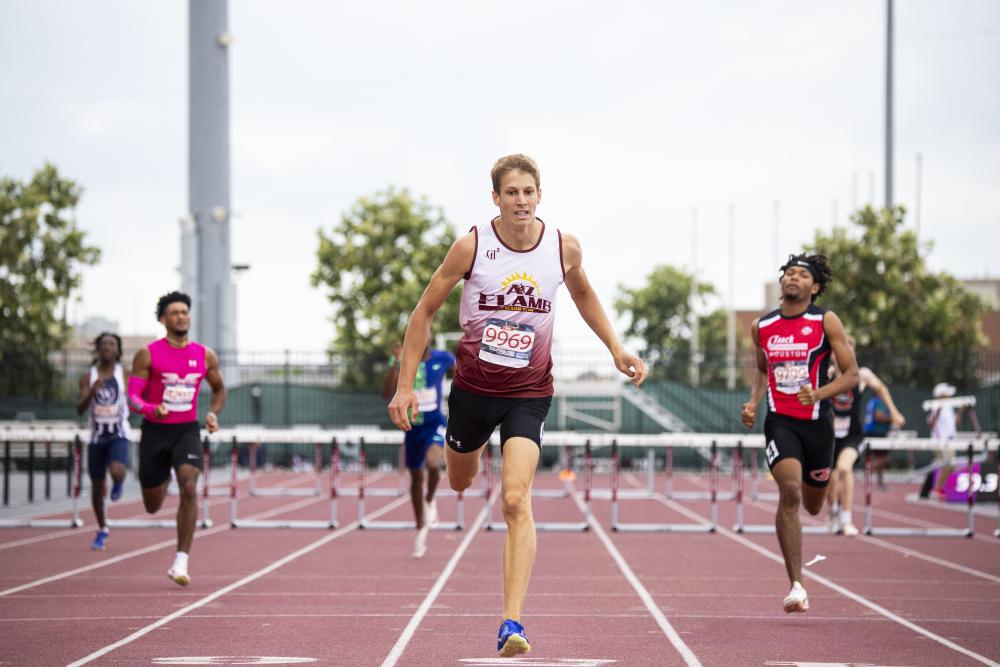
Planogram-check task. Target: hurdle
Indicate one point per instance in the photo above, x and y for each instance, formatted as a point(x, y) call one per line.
point(367, 524)
point(74, 445)
point(329, 524)
point(922, 444)
point(256, 490)
point(568, 440)
point(618, 525)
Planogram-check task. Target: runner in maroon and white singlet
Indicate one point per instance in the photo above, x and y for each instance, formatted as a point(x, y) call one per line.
point(163, 387)
point(793, 346)
point(512, 266)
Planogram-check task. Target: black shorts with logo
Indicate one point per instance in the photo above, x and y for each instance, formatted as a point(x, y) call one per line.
point(166, 446)
point(809, 441)
point(852, 441)
point(472, 418)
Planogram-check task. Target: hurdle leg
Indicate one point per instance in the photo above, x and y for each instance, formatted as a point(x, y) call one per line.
point(739, 488)
point(972, 496)
point(868, 489)
point(234, 485)
point(77, 481)
point(334, 469)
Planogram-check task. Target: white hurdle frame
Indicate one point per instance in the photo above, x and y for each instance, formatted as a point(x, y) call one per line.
point(620, 526)
point(256, 490)
point(367, 524)
point(329, 524)
point(77, 475)
point(924, 444)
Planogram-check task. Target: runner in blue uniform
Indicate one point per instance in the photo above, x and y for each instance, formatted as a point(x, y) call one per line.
point(425, 441)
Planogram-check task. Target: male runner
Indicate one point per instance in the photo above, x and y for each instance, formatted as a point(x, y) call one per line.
point(102, 396)
point(793, 346)
point(512, 266)
point(166, 377)
point(847, 427)
point(425, 441)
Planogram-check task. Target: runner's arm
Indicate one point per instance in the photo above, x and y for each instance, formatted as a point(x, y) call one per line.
point(759, 382)
point(882, 391)
point(846, 362)
point(455, 265)
point(213, 374)
point(137, 384)
point(593, 313)
point(86, 393)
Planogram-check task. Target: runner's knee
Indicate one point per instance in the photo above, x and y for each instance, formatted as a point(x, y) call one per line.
point(516, 503)
point(789, 495)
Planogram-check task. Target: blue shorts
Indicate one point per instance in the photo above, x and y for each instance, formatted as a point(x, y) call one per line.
point(421, 438)
point(101, 454)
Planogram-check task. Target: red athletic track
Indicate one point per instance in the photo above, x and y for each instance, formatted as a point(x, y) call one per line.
point(349, 599)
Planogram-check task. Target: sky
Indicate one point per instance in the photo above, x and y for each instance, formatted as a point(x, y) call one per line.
point(650, 121)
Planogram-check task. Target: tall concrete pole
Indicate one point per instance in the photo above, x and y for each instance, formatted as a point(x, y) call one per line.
point(888, 104)
point(214, 315)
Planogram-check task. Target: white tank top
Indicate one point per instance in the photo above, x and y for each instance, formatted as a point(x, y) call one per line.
point(507, 312)
point(109, 408)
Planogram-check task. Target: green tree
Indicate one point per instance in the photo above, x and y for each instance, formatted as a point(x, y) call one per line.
point(375, 264)
point(660, 317)
point(41, 253)
point(912, 325)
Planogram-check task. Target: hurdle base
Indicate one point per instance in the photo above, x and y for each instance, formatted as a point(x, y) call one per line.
point(700, 495)
point(41, 523)
point(662, 528)
point(141, 523)
point(277, 523)
point(546, 527)
point(766, 528)
point(625, 494)
point(407, 525)
point(268, 492)
point(377, 492)
point(918, 532)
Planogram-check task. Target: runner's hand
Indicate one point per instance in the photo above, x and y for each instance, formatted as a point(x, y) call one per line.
point(749, 414)
point(94, 388)
point(212, 422)
point(808, 395)
point(402, 405)
point(898, 420)
point(632, 366)
point(161, 410)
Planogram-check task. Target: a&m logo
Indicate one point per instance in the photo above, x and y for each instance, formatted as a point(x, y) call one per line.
point(518, 292)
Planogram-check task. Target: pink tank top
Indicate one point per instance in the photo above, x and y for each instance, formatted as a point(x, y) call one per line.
point(175, 375)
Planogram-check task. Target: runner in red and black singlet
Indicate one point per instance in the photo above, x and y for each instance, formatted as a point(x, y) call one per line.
point(163, 388)
point(793, 346)
point(512, 266)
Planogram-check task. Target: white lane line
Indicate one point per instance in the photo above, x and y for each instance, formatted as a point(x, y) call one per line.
point(411, 627)
point(690, 658)
point(237, 584)
point(76, 531)
point(900, 549)
point(155, 547)
point(833, 586)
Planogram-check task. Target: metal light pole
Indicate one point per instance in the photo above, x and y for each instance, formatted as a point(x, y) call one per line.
point(888, 105)
point(695, 374)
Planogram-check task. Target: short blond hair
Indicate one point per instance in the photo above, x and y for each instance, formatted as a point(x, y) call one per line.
point(516, 162)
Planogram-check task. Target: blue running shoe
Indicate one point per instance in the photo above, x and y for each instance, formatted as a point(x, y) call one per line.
point(116, 491)
point(512, 640)
point(100, 542)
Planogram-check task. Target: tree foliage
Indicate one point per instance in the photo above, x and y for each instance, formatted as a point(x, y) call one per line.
point(41, 254)
point(375, 264)
point(912, 325)
point(659, 315)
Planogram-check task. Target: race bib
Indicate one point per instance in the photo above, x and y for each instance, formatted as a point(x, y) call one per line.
point(179, 397)
point(789, 376)
point(841, 426)
point(507, 343)
point(427, 398)
point(105, 414)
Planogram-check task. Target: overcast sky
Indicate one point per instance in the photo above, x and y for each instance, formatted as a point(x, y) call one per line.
point(637, 113)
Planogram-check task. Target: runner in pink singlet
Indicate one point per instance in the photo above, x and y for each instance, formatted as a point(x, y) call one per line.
point(163, 387)
point(512, 266)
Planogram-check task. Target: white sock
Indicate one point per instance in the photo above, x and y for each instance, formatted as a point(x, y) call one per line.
point(181, 559)
point(845, 516)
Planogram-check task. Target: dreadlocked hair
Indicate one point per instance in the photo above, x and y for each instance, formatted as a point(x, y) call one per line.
point(820, 269)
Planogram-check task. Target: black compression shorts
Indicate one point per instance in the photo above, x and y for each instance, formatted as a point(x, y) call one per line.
point(166, 446)
point(809, 441)
point(472, 419)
